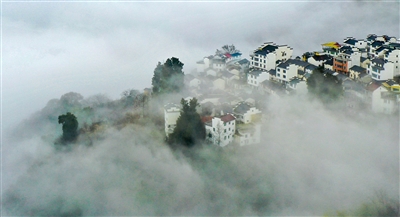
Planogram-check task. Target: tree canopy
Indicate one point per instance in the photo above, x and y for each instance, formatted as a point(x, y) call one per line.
point(189, 129)
point(324, 86)
point(168, 77)
point(70, 127)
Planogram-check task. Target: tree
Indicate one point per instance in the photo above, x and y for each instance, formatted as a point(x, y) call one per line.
point(168, 78)
point(70, 127)
point(227, 49)
point(189, 129)
point(324, 86)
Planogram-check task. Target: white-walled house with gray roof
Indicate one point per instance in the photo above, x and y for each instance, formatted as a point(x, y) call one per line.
point(268, 54)
point(256, 77)
point(380, 69)
point(285, 72)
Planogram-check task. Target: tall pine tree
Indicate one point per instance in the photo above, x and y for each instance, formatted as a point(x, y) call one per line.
point(168, 78)
point(189, 129)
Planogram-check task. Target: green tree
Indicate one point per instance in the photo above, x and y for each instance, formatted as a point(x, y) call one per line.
point(168, 78)
point(324, 86)
point(189, 129)
point(70, 127)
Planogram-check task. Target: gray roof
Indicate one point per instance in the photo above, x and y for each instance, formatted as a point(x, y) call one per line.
point(297, 62)
point(272, 72)
point(266, 50)
point(358, 69)
point(283, 65)
point(241, 108)
point(171, 105)
point(378, 61)
point(256, 72)
point(351, 41)
point(243, 61)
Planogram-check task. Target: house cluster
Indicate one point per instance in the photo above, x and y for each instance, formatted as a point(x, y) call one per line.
point(226, 84)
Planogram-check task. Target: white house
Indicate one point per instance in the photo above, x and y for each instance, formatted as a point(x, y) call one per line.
point(248, 134)
point(246, 113)
point(354, 43)
point(285, 72)
point(255, 77)
point(318, 59)
point(394, 57)
point(221, 130)
point(171, 115)
point(381, 70)
point(384, 101)
point(267, 56)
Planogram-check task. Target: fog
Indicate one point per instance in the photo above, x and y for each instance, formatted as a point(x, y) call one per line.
point(51, 48)
point(312, 160)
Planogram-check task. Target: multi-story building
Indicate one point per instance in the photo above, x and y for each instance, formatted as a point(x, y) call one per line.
point(268, 55)
point(380, 69)
point(221, 130)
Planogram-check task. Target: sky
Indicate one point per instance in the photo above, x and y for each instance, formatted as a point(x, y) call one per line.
point(52, 48)
point(318, 163)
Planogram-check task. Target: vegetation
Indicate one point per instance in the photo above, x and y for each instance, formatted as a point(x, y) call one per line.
point(189, 129)
point(168, 78)
point(324, 86)
point(70, 127)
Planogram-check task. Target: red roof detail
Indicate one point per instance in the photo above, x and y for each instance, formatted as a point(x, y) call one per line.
point(373, 86)
point(205, 119)
point(227, 118)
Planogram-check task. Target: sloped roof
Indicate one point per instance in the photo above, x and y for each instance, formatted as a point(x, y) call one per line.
point(283, 65)
point(227, 118)
point(372, 86)
point(358, 69)
point(377, 43)
point(351, 41)
point(241, 108)
point(171, 105)
point(243, 61)
point(297, 62)
point(266, 50)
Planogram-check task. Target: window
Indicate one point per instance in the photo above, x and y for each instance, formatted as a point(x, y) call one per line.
point(278, 75)
point(284, 71)
point(279, 69)
point(214, 129)
point(284, 76)
point(225, 131)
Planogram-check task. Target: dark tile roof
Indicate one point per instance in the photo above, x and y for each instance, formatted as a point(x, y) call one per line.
point(241, 108)
point(358, 69)
point(391, 82)
point(243, 61)
point(272, 72)
point(329, 62)
point(297, 62)
point(256, 72)
point(266, 50)
point(311, 67)
point(377, 44)
point(321, 57)
point(283, 65)
point(351, 41)
point(362, 59)
point(378, 61)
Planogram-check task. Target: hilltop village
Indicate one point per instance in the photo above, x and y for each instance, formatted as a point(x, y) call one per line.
point(228, 86)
